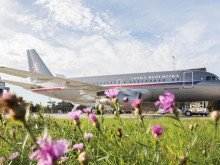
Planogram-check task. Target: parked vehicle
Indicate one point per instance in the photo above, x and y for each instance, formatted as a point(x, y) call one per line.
point(196, 108)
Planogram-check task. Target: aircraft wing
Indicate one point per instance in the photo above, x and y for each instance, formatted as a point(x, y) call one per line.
point(64, 81)
point(24, 85)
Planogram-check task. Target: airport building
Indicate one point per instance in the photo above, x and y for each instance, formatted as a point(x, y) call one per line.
point(2, 87)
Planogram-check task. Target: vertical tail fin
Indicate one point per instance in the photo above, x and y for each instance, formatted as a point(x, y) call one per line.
point(36, 65)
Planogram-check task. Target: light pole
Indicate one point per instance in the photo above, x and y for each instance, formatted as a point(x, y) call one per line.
point(173, 62)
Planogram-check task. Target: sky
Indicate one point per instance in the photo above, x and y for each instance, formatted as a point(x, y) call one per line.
point(80, 38)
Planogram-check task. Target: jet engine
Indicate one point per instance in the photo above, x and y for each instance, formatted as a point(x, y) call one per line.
point(125, 97)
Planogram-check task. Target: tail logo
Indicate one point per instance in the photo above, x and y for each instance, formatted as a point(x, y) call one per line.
point(36, 66)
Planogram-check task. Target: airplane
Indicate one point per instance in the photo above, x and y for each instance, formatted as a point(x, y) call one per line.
point(187, 85)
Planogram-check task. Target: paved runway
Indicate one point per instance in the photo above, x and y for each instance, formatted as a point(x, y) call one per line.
point(132, 116)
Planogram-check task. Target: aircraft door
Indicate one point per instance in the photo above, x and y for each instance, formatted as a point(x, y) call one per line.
point(187, 79)
point(119, 82)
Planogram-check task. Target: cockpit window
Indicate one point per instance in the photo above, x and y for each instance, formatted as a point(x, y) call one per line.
point(208, 78)
point(214, 78)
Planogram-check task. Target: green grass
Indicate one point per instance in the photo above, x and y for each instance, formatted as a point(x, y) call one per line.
point(137, 145)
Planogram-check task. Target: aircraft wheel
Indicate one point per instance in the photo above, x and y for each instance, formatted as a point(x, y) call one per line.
point(93, 110)
point(188, 113)
point(120, 112)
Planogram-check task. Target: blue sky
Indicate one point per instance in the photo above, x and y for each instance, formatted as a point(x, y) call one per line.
point(86, 38)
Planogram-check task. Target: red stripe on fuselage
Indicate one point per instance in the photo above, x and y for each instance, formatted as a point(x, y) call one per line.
point(141, 85)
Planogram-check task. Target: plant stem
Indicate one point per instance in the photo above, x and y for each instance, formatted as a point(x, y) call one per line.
point(30, 134)
point(17, 149)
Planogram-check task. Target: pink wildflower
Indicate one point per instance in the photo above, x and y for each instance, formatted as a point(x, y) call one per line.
point(88, 136)
point(50, 151)
point(74, 115)
point(112, 92)
point(78, 146)
point(6, 95)
point(135, 102)
point(93, 117)
point(166, 101)
point(86, 110)
point(14, 156)
point(63, 159)
point(2, 160)
point(157, 131)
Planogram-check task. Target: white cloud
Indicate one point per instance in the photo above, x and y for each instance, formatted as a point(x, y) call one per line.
point(75, 15)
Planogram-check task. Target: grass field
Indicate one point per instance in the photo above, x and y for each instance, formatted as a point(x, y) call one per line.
point(136, 146)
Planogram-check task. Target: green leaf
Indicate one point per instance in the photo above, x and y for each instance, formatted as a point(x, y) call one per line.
point(194, 140)
point(25, 141)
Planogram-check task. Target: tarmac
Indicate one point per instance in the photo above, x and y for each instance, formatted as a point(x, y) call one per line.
point(131, 116)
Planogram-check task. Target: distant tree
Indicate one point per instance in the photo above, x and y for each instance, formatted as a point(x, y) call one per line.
point(216, 105)
point(179, 105)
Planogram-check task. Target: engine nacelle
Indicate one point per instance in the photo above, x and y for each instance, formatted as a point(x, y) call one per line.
point(125, 97)
point(146, 95)
point(105, 101)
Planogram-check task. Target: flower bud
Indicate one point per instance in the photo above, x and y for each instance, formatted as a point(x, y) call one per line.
point(195, 125)
point(55, 123)
point(138, 111)
point(93, 150)
point(101, 107)
point(215, 116)
point(182, 160)
point(119, 132)
point(36, 126)
point(115, 100)
point(15, 106)
point(77, 123)
point(191, 127)
point(2, 160)
point(12, 132)
point(96, 124)
point(83, 158)
point(4, 123)
point(204, 152)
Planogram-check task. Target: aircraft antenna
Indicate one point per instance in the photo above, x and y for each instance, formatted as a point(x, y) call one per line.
point(173, 62)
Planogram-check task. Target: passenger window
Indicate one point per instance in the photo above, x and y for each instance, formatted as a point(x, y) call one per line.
point(214, 78)
point(208, 78)
point(130, 81)
point(138, 81)
point(172, 79)
point(159, 80)
point(146, 80)
point(177, 79)
point(163, 79)
point(124, 82)
point(150, 80)
point(155, 80)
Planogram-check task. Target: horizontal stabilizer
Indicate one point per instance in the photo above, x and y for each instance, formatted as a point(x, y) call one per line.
point(23, 74)
point(23, 85)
